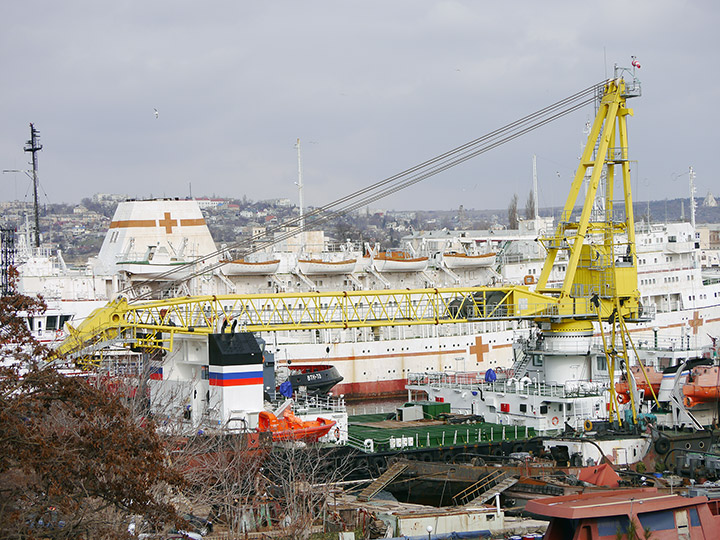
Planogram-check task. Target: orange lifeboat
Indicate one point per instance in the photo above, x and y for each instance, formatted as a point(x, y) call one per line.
point(654, 378)
point(702, 385)
point(291, 428)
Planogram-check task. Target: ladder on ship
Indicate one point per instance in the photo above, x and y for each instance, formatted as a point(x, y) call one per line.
point(581, 414)
point(485, 489)
point(500, 256)
point(395, 470)
point(520, 364)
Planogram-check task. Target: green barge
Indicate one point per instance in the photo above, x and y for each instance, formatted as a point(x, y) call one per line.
point(432, 435)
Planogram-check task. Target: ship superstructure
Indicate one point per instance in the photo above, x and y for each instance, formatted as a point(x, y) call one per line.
point(376, 356)
point(599, 284)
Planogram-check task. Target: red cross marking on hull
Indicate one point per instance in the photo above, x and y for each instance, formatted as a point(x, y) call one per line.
point(479, 349)
point(168, 223)
point(696, 322)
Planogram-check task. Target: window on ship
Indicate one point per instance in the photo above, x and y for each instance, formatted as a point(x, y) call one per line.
point(51, 322)
point(601, 363)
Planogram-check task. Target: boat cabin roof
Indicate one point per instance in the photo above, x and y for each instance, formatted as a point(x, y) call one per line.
point(611, 503)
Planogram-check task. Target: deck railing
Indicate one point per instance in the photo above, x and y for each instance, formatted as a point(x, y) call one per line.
point(475, 382)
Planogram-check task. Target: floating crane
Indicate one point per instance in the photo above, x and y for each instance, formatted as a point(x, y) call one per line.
point(600, 283)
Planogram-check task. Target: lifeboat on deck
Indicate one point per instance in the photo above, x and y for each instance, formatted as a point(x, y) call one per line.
point(702, 385)
point(291, 428)
point(241, 267)
point(157, 263)
point(311, 267)
point(456, 261)
point(654, 380)
point(399, 261)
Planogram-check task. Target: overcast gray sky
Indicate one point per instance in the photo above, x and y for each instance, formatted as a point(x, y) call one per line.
point(370, 88)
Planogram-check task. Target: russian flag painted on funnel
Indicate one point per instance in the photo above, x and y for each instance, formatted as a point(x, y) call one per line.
point(156, 373)
point(235, 375)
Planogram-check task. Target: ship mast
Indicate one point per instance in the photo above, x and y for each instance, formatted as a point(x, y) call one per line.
point(33, 146)
point(300, 196)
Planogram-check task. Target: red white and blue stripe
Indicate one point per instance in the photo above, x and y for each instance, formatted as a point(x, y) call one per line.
point(156, 373)
point(236, 375)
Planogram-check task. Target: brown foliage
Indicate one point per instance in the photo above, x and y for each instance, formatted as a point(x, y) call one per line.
point(15, 337)
point(70, 452)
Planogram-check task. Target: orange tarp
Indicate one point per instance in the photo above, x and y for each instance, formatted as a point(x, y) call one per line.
point(600, 475)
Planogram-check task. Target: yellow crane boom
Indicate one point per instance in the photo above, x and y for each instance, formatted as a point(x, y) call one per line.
point(600, 281)
point(153, 324)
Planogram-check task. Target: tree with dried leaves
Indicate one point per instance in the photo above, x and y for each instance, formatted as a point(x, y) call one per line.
point(251, 484)
point(301, 477)
point(530, 205)
point(513, 218)
point(224, 475)
point(74, 463)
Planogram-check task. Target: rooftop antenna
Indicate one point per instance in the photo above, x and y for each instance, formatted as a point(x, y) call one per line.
point(692, 198)
point(33, 146)
point(605, 62)
point(299, 184)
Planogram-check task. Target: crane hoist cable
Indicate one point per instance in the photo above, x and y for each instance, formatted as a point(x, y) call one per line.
point(152, 324)
point(392, 184)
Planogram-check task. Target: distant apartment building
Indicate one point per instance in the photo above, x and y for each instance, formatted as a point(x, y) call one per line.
point(714, 237)
point(209, 203)
point(108, 198)
point(15, 205)
point(284, 203)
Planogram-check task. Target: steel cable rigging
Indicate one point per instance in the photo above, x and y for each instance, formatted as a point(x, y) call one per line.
point(388, 186)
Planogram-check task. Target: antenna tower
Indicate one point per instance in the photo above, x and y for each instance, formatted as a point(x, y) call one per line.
point(34, 146)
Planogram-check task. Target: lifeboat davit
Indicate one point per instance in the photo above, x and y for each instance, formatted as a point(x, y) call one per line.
point(291, 428)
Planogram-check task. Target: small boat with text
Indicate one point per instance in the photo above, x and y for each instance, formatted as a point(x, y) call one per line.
point(315, 378)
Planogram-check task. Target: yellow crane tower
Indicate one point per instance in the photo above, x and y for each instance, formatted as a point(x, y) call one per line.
point(600, 283)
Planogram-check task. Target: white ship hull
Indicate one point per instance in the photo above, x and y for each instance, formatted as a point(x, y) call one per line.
point(378, 361)
point(379, 367)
